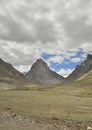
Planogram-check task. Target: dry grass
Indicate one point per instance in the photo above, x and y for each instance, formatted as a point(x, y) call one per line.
point(60, 102)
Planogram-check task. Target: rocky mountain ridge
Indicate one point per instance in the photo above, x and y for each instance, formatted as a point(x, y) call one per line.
point(40, 73)
point(81, 69)
point(7, 71)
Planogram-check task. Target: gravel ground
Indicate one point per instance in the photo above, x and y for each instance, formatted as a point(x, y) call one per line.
point(16, 122)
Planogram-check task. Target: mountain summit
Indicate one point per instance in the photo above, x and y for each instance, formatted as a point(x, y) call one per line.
point(40, 73)
point(81, 69)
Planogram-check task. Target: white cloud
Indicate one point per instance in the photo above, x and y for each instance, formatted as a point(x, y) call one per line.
point(23, 68)
point(56, 59)
point(65, 72)
point(75, 60)
point(87, 47)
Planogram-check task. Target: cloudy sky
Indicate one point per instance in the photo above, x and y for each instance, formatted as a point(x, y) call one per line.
point(59, 31)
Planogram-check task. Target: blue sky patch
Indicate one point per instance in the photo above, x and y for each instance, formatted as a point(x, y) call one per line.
point(67, 63)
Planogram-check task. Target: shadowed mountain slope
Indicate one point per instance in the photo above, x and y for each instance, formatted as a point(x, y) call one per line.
point(7, 71)
point(81, 69)
point(40, 73)
point(86, 77)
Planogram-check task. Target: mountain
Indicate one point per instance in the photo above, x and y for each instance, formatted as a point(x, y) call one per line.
point(81, 69)
point(40, 73)
point(86, 77)
point(7, 71)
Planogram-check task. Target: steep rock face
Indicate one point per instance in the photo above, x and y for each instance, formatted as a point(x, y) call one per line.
point(40, 73)
point(81, 69)
point(8, 71)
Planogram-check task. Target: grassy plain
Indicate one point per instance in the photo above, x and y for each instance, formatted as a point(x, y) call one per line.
point(71, 101)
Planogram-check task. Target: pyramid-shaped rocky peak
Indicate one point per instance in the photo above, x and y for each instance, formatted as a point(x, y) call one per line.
point(41, 73)
point(81, 69)
point(40, 62)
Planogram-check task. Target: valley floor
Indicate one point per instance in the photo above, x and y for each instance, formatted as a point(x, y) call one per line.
point(46, 108)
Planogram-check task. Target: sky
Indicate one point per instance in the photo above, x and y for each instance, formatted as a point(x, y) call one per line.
point(58, 31)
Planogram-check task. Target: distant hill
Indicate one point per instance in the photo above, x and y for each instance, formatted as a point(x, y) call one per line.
point(81, 69)
point(41, 74)
point(7, 71)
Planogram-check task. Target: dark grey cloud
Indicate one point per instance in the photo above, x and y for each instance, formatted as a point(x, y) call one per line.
point(78, 31)
point(32, 21)
point(24, 24)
